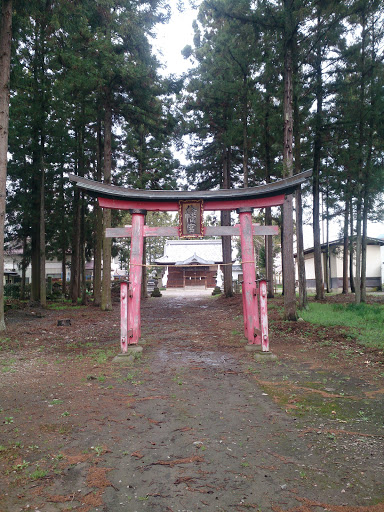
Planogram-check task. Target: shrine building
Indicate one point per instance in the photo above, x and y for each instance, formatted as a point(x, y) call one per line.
point(191, 263)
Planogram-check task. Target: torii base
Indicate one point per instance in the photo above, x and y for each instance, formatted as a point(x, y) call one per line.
point(253, 347)
point(264, 356)
point(127, 357)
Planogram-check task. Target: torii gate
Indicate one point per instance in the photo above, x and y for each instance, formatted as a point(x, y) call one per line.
point(190, 205)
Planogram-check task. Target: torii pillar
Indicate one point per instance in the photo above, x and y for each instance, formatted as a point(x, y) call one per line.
point(130, 293)
point(250, 307)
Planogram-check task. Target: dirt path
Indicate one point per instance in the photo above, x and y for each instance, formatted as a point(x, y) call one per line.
point(195, 424)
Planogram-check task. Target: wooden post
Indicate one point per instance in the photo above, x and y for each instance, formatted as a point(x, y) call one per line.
point(264, 316)
point(249, 276)
point(135, 276)
point(124, 316)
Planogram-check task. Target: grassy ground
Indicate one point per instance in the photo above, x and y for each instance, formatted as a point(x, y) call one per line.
point(366, 321)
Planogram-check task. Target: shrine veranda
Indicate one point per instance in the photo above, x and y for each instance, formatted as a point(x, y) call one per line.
point(191, 205)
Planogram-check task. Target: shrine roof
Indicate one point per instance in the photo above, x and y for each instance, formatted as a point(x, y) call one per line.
point(283, 186)
point(188, 252)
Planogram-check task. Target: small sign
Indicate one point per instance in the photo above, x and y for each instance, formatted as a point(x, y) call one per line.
point(191, 218)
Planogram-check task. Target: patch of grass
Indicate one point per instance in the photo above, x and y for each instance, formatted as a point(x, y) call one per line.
point(98, 450)
point(56, 401)
point(101, 356)
point(365, 321)
point(63, 305)
point(21, 466)
point(38, 473)
point(178, 380)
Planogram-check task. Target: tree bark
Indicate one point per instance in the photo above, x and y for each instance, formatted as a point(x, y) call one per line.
point(99, 226)
point(106, 299)
point(316, 173)
point(303, 298)
point(5, 62)
point(38, 136)
point(345, 248)
point(245, 133)
point(359, 183)
point(364, 253)
point(42, 282)
point(289, 266)
point(76, 235)
point(63, 238)
point(351, 249)
point(367, 169)
point(24, 265)
point(75, 256)
point(64, 271)
point(269, 255)
point(226, 221)
point(83, 279)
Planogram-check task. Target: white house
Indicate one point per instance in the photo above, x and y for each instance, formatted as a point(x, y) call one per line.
point(53, 268)
point(334, 272)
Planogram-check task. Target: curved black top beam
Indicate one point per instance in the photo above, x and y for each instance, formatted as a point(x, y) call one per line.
point(284, 186)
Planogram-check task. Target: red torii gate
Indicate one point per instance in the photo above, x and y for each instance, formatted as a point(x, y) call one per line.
point(138, 202)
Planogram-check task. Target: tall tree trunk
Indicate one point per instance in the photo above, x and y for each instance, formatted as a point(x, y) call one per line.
point(99, 226)
point(303, 298)
point(359, 183)
point(5, 60)
point(245, 132)
point(43, 286)
point(64, 271)
point(289, 266)
point(226, 221)
point(367, 169)
point(24, 265)
point(63, 236)
point(76, 233)
point(38, 228)
point(75, 256)
point(345, 247)
point(358, 251)
point(327, 255)
point(83, 279)
point(364, 253)
point(268, 211)
point(40, 91)
point(316, 172)
point(106, 300)
point(269, 255)
point(351, 249)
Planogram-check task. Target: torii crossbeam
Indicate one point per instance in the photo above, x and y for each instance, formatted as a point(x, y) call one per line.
point(138, 202)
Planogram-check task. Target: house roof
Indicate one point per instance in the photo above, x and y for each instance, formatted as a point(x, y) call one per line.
point(189, 252)
point(340, 241)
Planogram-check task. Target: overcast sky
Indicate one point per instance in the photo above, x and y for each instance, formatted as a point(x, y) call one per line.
point(171, 39)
